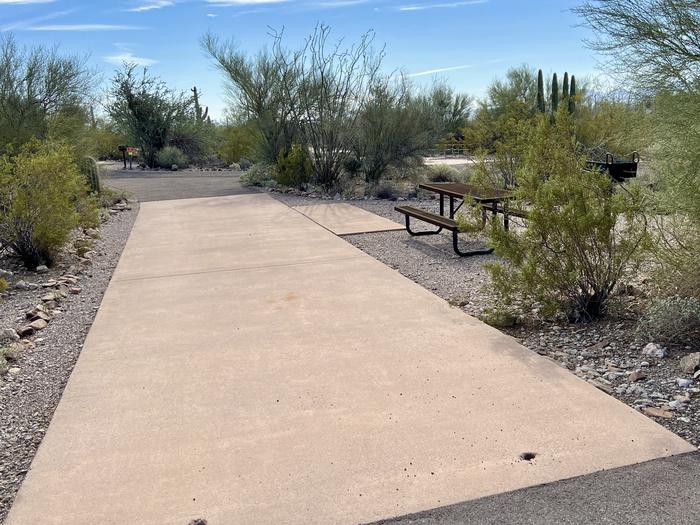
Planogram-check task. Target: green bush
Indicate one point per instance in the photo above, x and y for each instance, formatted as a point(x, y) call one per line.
point(294, 168)
point(3, 285)
point(238, 142)
point(442, 173)
point(674, 320)
point(169, 156)
point(43, 196)
point(260, 174)
point(582, 233)
point(386, 191)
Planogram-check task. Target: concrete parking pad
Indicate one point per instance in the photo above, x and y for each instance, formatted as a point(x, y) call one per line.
point(346, 219)
point(248, 366)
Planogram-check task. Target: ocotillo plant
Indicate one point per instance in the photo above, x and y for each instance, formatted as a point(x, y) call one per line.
point(565, 86)
point(541, 107)
point(555, 94)
point(572, 95)
point(199, 115)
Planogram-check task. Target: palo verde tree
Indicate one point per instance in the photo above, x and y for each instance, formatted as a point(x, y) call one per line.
point(43, 94)
point(257, 88)
point(144, 108)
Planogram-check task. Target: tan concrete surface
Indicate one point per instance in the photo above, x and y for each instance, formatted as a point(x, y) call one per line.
point(249, 367)
point(346, 219)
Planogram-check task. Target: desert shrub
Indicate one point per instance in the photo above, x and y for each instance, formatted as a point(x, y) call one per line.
point(352, 166)
point(245, 163)
point(170, 155)
point(294, 168)
point(442, 173)
point(237, 142)
point(385, 190)
point(109, 197)
point(260, 174)
point(43, 196)
point(581, 236)
point(3, 285)
point(671, 320)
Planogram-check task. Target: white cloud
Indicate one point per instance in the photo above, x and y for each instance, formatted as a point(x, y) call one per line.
point(20, 2)
point(450, 5)
point(227, 3)
point(84, 27)
point(151, 5)
point(439, 70)
point(23, 24)
point(129, 57)
point(212, 15)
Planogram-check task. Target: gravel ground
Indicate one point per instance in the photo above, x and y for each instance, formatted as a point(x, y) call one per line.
point(603, 353)
point(32, 388)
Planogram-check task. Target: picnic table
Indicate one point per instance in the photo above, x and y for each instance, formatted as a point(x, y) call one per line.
point(493, 199)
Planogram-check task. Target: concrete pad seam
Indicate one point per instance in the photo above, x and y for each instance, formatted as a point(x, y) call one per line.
point(236, 269)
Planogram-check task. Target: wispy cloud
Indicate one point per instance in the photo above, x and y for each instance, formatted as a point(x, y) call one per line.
point(212, 15)
point(339, 3)
point(130, 58)
point(27, 22)
point(151, 5)
point(449, 5)
point(230, 3)
point(439, 70)
point(21, 2)
point(84, 27)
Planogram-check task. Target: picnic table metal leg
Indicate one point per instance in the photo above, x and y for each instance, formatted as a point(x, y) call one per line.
point(506, 220)
point(442, 205)
point(455, 246)
point(452, 207)
point(417, 234)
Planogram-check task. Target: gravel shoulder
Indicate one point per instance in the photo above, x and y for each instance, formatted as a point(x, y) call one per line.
point(604, 353)
point(32, 386)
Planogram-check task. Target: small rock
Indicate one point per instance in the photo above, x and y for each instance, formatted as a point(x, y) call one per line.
point(684, 383)
point(637, 375)
point(658, 412)
point(601, 386)
point(42, 268)
point(39, 324)
point(75, 290)
point(9, 334)
point(690, 363)
point(92, 232)
point(654, 350)
point(14, 370)
point(25, 331)
point(51, 297)
point(21, 285)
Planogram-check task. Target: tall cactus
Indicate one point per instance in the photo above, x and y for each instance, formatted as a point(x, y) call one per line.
point(541, 106)
point(200, 116)
point(572, 95)
point(92, 174)
point(565, 86)
point(555, 94)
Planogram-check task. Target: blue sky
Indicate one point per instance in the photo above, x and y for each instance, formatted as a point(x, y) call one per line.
point(468, 43)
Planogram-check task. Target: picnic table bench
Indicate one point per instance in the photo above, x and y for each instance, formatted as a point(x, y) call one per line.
point(491, 199)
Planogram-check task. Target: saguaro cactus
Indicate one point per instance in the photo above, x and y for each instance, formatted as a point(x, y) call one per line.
point(199, 115)
point(92, 174)
point(572, 95)
point(555, 94)
point(541, 107)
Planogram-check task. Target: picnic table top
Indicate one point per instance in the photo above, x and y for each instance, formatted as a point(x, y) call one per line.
point(459, 190)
